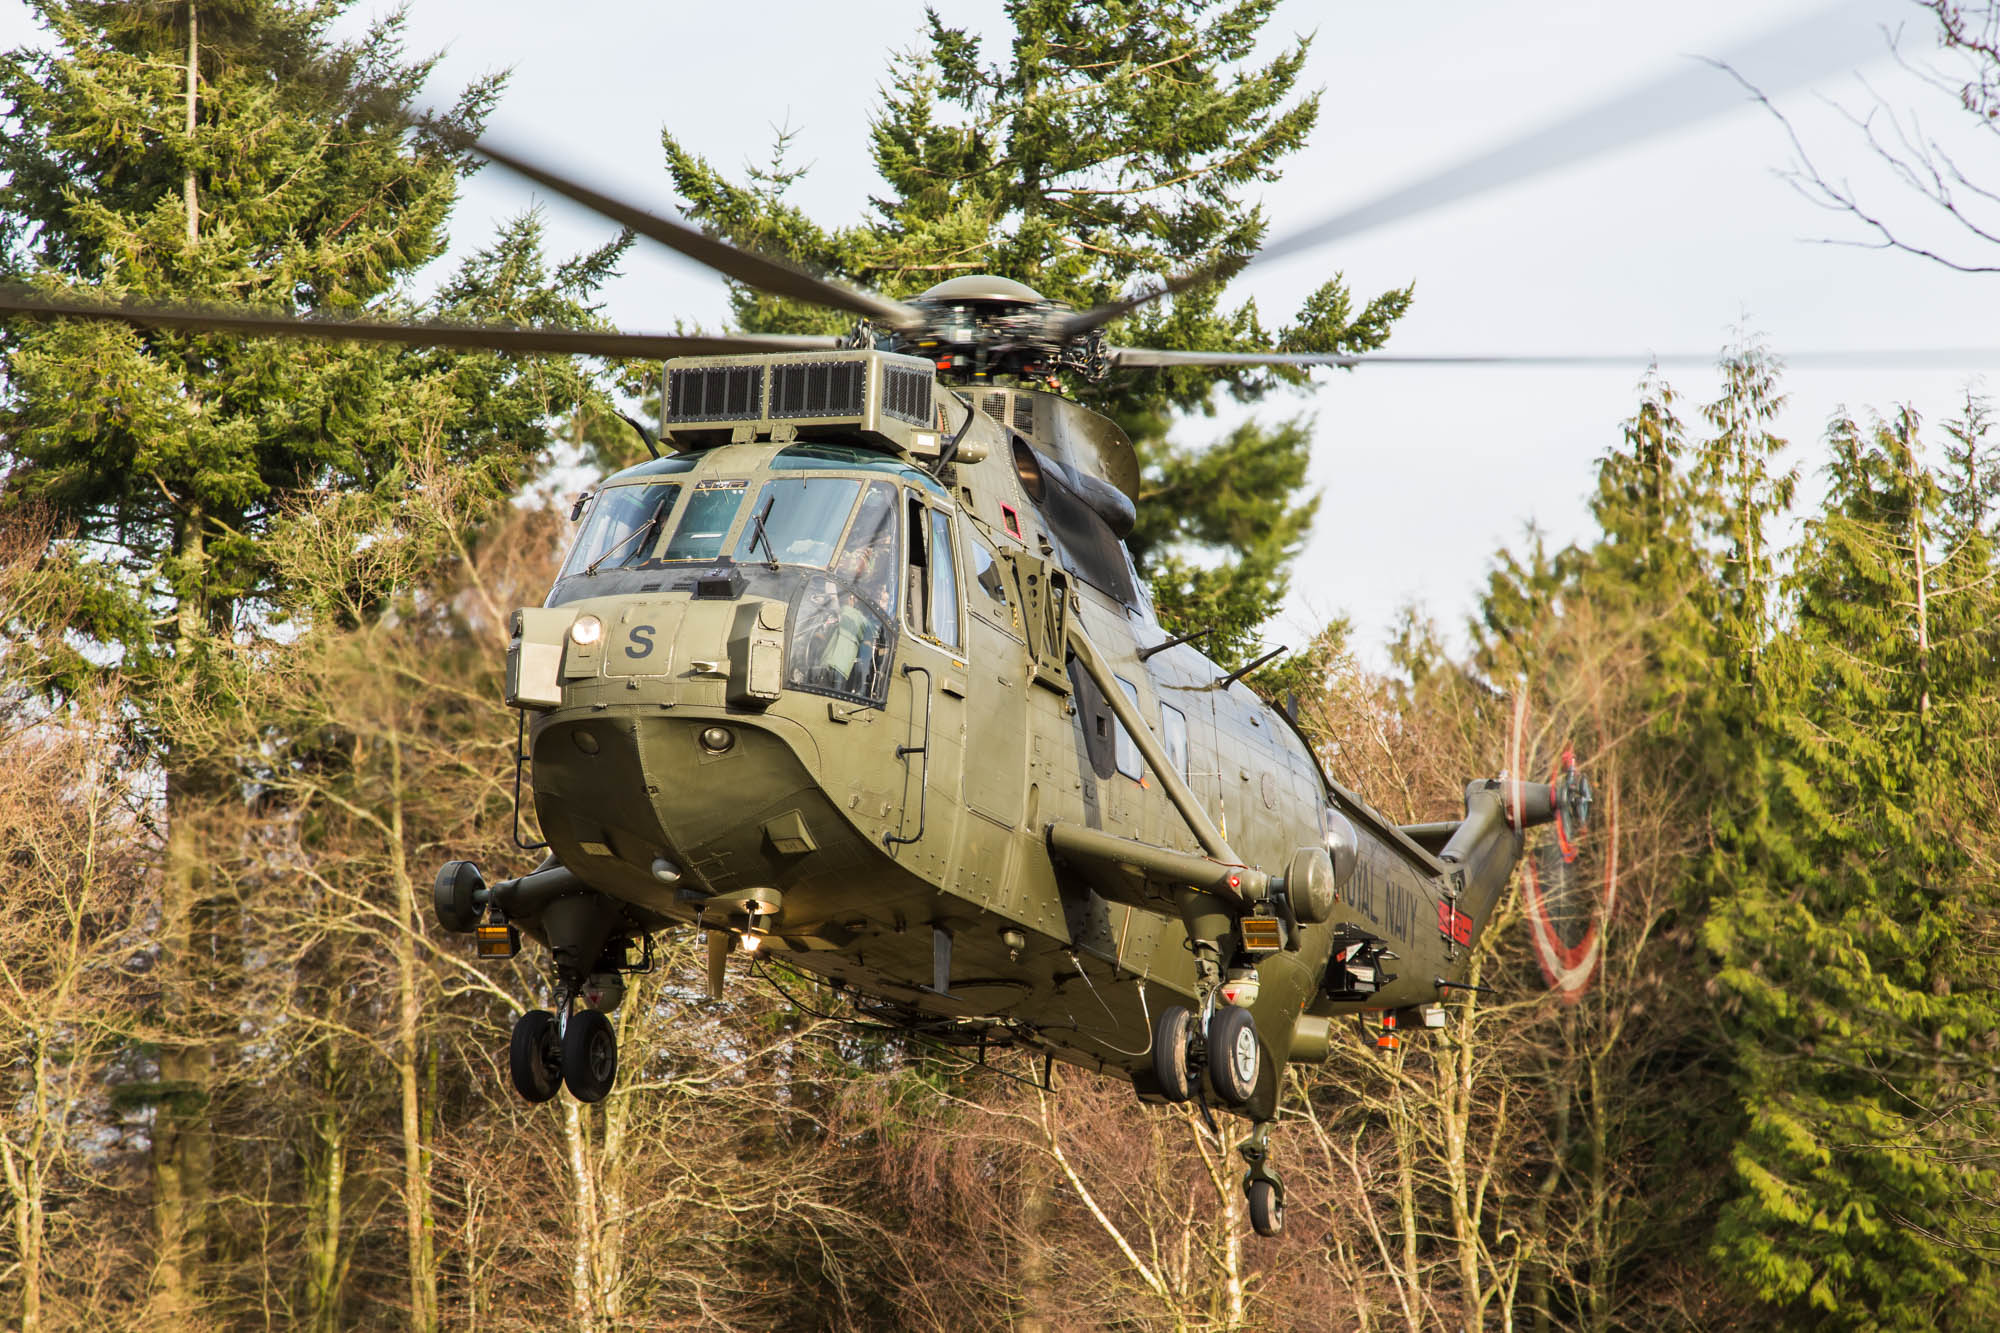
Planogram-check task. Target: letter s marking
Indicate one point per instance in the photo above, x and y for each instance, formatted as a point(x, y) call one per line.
point(642, 642)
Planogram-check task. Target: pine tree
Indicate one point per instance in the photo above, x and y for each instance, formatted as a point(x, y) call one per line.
point(1861, 1002)
point(1112, 142)
point(233, 150)
point(1637, 647)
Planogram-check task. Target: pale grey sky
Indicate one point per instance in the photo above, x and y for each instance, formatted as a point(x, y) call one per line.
point(1665, 247)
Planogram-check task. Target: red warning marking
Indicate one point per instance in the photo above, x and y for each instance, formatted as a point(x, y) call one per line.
point(1454, 924)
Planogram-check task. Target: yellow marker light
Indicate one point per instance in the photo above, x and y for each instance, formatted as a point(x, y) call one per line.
point(498, 939)
point(1263, 932)
point(586, 630)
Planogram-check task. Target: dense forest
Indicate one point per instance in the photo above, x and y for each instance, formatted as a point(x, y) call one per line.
point(253, 607)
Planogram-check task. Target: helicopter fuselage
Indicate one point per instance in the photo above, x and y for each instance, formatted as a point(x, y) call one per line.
point(824, 701)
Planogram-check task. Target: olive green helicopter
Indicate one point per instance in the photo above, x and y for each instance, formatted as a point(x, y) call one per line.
point(859, 675)
point(856, 673)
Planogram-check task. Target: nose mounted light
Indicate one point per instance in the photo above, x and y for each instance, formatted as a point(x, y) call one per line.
point(717, 739)
point(586, 630)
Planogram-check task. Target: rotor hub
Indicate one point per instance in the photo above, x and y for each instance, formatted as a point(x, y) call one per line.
point(982, 326)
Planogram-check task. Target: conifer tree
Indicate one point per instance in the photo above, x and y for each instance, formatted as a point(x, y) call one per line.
point(1657, 613)
point(1110, 143)
point(1859, 995)
point(230, 150)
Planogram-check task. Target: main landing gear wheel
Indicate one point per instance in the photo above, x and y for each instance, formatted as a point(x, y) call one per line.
point(1267, 1207)
point(1234, 1057)
point(535, 1056)
point(589, 1056)
point(1171, 1031)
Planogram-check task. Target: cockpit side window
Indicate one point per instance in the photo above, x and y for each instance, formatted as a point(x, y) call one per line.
point(932, 576)
point(944, 582)
point(917, 607)
point(622, 528)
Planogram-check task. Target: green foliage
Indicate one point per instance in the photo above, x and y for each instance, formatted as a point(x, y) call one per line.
point(164, 457)
point(1831, 705)
point(1849, 950)
point(1112, 142)
point(1831, 708)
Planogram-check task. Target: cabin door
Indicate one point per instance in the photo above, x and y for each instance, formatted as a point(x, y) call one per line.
point(997, 680)
point(931, 671)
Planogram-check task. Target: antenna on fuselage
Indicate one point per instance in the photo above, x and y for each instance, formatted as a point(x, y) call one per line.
point(1243, 671)
point(1177, 641)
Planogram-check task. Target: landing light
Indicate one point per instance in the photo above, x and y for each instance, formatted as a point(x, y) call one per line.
point(751, 943)
point(586, 630)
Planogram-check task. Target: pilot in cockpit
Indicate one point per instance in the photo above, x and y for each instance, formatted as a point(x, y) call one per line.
point(849, 654)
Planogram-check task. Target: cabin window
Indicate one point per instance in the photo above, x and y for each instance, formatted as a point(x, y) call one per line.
point(623, 527)
point(1126, 754)
point(841, 635)
point(705, 521)
point(989, 580)
point(797, 521)
point(1174, 738)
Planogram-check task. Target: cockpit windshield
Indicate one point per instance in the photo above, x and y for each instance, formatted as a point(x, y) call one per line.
point(624, 525)
point(797, 521)
point(710, 511)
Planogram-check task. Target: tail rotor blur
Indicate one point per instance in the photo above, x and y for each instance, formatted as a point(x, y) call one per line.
point(1569, 881)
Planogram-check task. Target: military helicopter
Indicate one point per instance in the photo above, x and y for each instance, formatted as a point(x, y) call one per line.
point(861, 676)
point(857, 672)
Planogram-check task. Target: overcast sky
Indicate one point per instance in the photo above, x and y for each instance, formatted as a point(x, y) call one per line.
point(1664, 247)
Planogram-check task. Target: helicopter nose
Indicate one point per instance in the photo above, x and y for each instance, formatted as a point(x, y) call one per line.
point(729, 801)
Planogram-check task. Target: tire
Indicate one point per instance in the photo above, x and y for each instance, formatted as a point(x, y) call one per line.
point(1267, 1207)
point(1234, 1056)
point(534, 1056)
point(451, 896)
point(1170, 1053)
point(589, 1055)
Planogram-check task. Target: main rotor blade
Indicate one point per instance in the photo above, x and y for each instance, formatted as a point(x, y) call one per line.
point(746, 266)
point(490, 337)
point(1936, 358)
point(1827, 41)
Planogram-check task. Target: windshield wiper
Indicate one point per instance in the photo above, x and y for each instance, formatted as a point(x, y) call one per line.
point(757, 533)
point(639, 531)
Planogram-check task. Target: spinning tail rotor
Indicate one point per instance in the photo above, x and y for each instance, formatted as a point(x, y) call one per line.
point(1569, 882)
